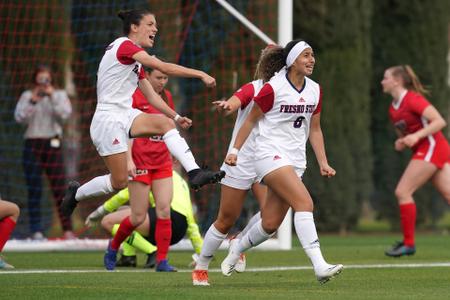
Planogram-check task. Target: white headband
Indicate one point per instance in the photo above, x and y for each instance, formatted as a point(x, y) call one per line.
point(295, 52)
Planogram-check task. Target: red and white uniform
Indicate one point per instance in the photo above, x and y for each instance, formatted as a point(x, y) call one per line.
point(406, 115)
point(243, 175)
point(150, 155)
point(284, 129)
point(117, 78)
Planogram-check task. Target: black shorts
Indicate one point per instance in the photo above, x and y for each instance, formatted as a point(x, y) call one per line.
point(179, 226)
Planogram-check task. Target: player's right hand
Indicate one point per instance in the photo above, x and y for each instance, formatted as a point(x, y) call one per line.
point(399, 144)
point(222, 105)
point(131, 168)
point(231, 159)
point(95, 216)
point(184, 122)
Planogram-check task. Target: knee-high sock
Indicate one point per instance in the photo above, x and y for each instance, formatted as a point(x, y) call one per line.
point(6, 228)
point(307, 234)
point(163, 235)
point(180, 149)
point(256, 217)
point(213, 239)
point(125, 229)
point(255, 236)
point(408, 221)
point(133, 242)
point(98, 186)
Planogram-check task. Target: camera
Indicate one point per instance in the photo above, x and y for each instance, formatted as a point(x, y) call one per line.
point(42, 94)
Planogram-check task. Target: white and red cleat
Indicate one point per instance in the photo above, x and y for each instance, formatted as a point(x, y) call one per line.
point(200, 277)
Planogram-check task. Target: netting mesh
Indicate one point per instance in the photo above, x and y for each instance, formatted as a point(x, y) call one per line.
point(70, 36)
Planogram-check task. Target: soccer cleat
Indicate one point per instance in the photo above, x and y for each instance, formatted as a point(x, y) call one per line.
point(151, 260)
point(400, 249)
point(127, 261)
point(201, 177)
point(326, 275)
point(109, 260)
point(228, 265)
point(241, 263)
point(69, 202)
point(5, 265)
point(163, 266)
point(200, 277)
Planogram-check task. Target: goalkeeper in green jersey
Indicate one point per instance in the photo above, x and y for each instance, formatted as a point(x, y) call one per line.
point(143, 238)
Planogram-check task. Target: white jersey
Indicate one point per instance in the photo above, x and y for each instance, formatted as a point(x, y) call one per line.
point(118, 75)
point(284, 129)
point(243, 175)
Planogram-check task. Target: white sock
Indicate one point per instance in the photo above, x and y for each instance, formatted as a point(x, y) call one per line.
point(180, 149)
point(307, 234)
point(97, 186)
point(255, 236)
point(211, 242)
point(252, 221)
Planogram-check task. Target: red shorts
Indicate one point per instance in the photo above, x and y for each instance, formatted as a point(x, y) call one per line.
point(438, 153)
point(147, 176)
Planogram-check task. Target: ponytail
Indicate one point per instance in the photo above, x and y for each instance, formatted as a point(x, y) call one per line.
point(410, 79)
point(271, 60)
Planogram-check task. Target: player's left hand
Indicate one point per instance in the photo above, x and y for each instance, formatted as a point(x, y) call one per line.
point(231, 159)
point(410, 140)
point(184, 122)
point(222, 105)
point(208, 80)
point(327, 171)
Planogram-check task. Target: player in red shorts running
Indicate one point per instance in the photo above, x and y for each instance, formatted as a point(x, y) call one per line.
point(418, 125)
point(9, 213)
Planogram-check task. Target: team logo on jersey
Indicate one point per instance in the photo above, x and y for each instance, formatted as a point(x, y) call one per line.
point(276, 157)
point(116, 142)
point(401, 125)
point(301, 100)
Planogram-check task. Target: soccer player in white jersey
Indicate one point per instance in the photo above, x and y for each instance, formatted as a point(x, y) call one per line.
point(115, 121)
point(240, 179)
point(287, 113)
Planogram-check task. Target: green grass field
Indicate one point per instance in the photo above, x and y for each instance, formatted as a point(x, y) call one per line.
point(368, 274)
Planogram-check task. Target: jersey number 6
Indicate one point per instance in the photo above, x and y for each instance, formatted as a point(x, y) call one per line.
point(298, 122)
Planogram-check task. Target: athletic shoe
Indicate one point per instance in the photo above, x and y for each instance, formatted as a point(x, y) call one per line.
point(228, 265)
point(241, 263)
point(127, 261)
point(69, 202)
point(201, 177)
point(109, 260)
point(151, 260)
point(5, 265)
point(400, 249)
point(324, 276)
point(163, 266)
point(200, 277)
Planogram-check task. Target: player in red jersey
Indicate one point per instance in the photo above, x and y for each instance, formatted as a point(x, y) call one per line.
point(9, 213)
point(151, 168)
point(418, 125)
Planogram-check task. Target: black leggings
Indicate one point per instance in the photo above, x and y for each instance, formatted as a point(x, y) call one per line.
point(39, 157)
point(179, 226)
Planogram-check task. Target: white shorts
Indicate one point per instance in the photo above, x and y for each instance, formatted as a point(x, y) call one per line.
point(270, 163)
point(242, 176)
point(110, 130)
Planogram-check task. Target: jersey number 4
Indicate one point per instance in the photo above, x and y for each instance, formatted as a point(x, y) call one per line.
point(298, 122)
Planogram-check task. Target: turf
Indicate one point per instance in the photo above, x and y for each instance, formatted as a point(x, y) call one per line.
point(356, 282)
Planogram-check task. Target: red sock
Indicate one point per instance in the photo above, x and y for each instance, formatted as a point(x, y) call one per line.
point(408, 220)
point(6, 227)
point(125, 229)
point(163, 235)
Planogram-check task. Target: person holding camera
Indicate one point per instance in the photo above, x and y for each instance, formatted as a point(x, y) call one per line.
point(43, 109)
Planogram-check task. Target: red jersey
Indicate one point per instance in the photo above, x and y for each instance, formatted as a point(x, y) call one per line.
point(150, 153)
point(406, 115)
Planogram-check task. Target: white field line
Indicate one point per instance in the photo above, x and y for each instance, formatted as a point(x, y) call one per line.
point(262, 269)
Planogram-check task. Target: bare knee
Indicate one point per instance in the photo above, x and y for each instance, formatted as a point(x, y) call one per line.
point(137, 218)
point(402, 195)
point(15, 212)
point(270, 225)
point(225, 221)
point(119, 182)
point(165, 124)
point(107, 224)
point(163, 212)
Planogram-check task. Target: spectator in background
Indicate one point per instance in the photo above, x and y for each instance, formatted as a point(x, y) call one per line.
point(43, 109)
point(9, 212)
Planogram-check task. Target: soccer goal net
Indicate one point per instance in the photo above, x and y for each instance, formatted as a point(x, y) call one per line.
point(223, 38)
